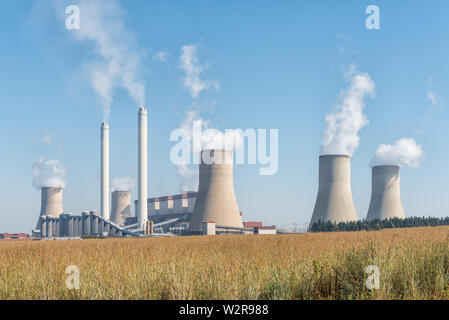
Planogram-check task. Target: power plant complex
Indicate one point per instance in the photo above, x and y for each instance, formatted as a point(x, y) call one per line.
point(213, 208)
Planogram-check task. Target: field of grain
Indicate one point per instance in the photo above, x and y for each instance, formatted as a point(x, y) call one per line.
point(413, 264)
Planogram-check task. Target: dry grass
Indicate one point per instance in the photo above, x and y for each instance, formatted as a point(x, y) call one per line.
point(414, 264)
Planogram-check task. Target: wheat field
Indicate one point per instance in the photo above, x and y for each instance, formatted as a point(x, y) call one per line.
point(413, 264)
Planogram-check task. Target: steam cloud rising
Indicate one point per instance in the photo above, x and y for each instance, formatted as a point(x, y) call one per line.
point(117, 63)
point(404, 152)
point(193, 70)
point(341, 135)
point(48, 173)
point(210, 139)
point(122, 184)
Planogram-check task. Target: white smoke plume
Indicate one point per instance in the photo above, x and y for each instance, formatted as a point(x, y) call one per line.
point(48, 173)
point(404, 152)
point(46, 137)
point(341, 135)
point(160, 56)
point(117, 62)
point(193, 70)
point(230, 139)
point(211, 138)
point(122, 184)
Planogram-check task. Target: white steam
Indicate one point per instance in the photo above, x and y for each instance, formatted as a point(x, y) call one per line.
point(48, 173)
point(193, 70)
point(122, 184)
point(211, 138)
point(343, 125)
point(116, 63)
point(404, 152)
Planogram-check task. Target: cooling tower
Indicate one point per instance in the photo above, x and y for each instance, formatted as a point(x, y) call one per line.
point(51, 202)
point(121, 207)
point(105, 170)
point(142, 211)
point(385, 194)
point(216, 198)
point(334, 200)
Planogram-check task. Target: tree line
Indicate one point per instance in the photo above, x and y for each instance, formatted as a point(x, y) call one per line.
point(328, 226)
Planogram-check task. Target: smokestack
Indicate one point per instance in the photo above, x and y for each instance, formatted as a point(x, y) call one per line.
point(121, 207)
point(51, 202)
point(105, 170)
point(334, 201)
point(385, 193)
point(216, 198)
point(142, 212)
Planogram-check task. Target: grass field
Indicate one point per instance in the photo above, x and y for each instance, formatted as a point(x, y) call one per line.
point(413, 264)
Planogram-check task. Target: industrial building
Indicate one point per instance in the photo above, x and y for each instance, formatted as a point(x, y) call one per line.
point(169, 207)
point(14, 236)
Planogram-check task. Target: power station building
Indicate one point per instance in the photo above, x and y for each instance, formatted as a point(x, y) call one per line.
point(170, 207)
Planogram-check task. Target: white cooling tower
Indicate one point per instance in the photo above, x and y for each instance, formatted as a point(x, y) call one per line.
point(385, 194)
point(121, 207)
point(216, 198)
point(334, 200)
point(142, 211)
point(51, 202)
point(105, 170)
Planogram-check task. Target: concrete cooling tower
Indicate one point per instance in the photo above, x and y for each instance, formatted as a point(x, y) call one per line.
point(121, 207)
point(216, 198)
point(385, 194)
point(334, 201)
point(51, 202)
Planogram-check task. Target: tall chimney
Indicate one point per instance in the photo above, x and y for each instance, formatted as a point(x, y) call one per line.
point(334, 200)
point(142, 211)
point(216, 198)
point(385, 194)
point(121, 207)
point(105, 170)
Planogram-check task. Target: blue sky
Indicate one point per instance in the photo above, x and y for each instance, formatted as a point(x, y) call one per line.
point(278, 65)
